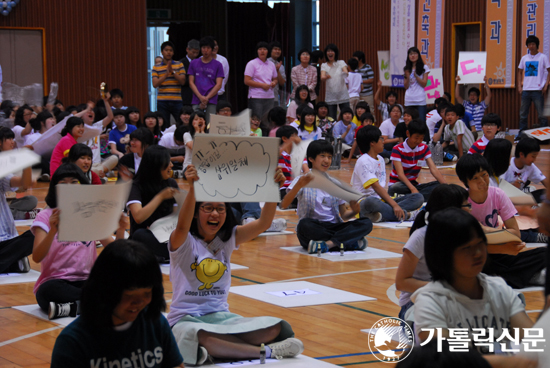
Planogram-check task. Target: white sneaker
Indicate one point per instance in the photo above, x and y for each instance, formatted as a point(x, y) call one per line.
point(248, 220)
point(286, 349)
point(374, 217)
point(278, 224)
point(411, 215)
point(203, 355)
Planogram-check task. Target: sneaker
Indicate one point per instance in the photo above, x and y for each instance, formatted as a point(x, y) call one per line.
point(374, 217)
point(23, 265)
point(314, 247)
point(44, 178)
point(362, 244)
point(286, 349)
point(542, 238)
point(203, 355)
point(31, 215)
point(59, 310)
point(411, 215)
point(248, 220)
point(278, 224)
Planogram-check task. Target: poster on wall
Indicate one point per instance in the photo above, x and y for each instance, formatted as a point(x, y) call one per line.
point(434, 88)
point(501, 43)
point(401, 37)
point(533, 13)
point(384, 67)
point(431, 15)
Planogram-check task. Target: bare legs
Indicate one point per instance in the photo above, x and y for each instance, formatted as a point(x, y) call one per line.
point(245, 345)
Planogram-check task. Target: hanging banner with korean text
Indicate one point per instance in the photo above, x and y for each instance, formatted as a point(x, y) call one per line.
point(533, 13)
point(501, 43)
point(402, 38)
point(431, 15)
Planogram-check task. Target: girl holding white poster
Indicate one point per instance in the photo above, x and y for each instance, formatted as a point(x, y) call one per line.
point(64, 266)
point(200, 267)
point(416, 78)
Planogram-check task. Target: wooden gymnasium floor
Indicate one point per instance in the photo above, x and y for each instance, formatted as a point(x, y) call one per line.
point(329, 332)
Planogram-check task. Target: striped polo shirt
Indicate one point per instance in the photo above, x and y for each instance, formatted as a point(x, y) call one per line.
point(170, 89)
point(477, 111)
point(409, 160)
point(479, 146)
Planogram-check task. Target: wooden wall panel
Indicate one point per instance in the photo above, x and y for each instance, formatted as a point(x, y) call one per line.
point(365, 25)
point(89, 42)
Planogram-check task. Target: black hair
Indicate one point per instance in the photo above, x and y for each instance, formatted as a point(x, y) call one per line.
point(469, 165)
point(207, 41)
point(301, 52)
point(460, 110)
point(179, 132)
point(71, 123)
point(419, 63)
point(273, 44)
point(534, 39)
point(222, 104)
point(262, 44)
point(394, 106)
point(305, 112)
point(6, 133)
point(122, 112)
point(442, 106)
point(188, 110)
point(391, 93)
point(527, 145)
point(116, 92)
point(412, 112)
point(353, 63)
point(191, 127)
point(416, 127)
point(123, 265)
point(19, 119)
point(497, 153)
point(226, 229)
point(299, 101)
point(149, 180)
point(285, 131)
point(299, 110)
point(475, 90)
point(366, 116)
point(491, 118)
point(334, 48)
point(451, 108)
point(367, 135)
point(362, 104)
point(360, 55)
point(40, 119)
point(447, 95)
point(345, 110)
point(277, 116)
point(316, 55)
point(443, 196)
point(165, 44)
point(81, 107)
point(156, 128)
point(319, 105)
point(254, 116)
point(68, 170)
point(458, 228)
point(144, 135)
point(440, 100)
point(130, 110)
point(317, 147)
point(62, 115)
point(71, 108)
point(77, 151)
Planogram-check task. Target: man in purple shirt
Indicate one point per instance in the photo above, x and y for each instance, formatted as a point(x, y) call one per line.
point(205, 79)
point(260, 76)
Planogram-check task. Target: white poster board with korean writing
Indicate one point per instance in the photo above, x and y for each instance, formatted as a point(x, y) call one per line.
point(90, 212)
point(299, 153)
point(163, 227)
point(16, 160)
point(230, 125)
point(47, 141)
point(235, 169)
point(384, 67)
point(334, 188)
point(434, 88)
point(472, 67)
point(542, 133)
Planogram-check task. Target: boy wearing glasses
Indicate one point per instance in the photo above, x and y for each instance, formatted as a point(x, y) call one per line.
point(490, 124)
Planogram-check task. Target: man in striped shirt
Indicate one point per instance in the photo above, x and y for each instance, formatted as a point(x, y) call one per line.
point(472, 105)
point(168, 77)
point(408, 158)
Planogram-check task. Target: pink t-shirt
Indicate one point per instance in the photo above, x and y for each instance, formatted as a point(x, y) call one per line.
point(496, 204)
point(60, 151)
point(263, 72)
point(71, 261)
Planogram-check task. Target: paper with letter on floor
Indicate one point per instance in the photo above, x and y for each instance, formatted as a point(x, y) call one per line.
point(542, 133)
point(334, 188)
point(47, 141)
point(230, 125)
point(518, 197)
point(299, 152)
point(90, 212)
point(16, 160)
point(163, 227)
point(235, 169)
point(501, 237)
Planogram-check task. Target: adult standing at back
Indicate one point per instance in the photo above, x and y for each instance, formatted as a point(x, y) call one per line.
point(205, 79)
point(192, 50)
point(222, 59)
point(367, 74)
point(276, 57)
point(260, 75)
point(416, 77)
point(334, 73)
point(168, 77)
point(533, 79)
point(304, 74)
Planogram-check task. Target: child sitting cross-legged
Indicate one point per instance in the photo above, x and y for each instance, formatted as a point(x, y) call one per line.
point(455, 130)
point(321, 226)
point(490, 124)
point(369, 178)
